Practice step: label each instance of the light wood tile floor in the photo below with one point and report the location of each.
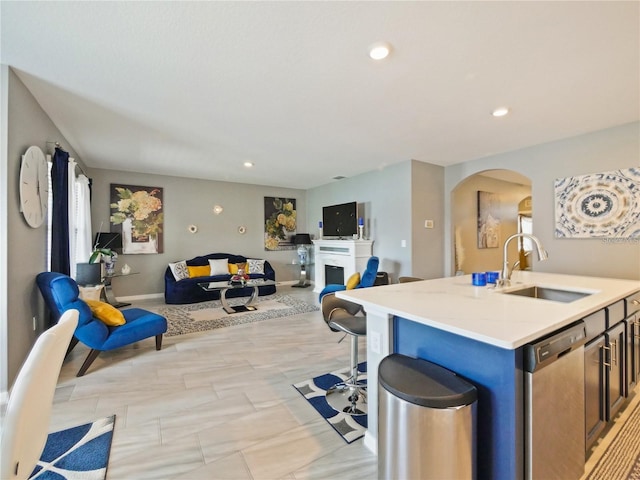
(220, 404)
(217, 404)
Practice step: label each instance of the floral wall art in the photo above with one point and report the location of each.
(279, 223)
(600, 205)
(137, 212)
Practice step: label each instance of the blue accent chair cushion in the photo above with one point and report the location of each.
(61, 293)
(367, 279)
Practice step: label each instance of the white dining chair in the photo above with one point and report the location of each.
(28, 414)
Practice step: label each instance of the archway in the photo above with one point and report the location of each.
(485, 211)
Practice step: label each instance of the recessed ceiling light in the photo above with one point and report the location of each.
(379, 50)
(248, 164)
(500, 112)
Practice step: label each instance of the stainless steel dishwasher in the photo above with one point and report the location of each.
(554, 405)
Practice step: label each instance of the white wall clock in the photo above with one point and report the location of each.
(34, 186)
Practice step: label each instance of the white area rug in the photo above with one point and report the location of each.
(198, 317)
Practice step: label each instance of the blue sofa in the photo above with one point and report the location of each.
(188, 291)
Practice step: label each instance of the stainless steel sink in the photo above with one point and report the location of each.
(546, 293)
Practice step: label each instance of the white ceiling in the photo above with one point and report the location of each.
(197, 88)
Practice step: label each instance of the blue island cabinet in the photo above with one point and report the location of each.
(498, 375)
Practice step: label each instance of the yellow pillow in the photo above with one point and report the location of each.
(203, 271)
(354, 281)
(233, 268)
(109, 314)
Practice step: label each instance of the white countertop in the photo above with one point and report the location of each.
(487, 315)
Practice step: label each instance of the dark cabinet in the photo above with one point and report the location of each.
(594, 391)
(633, 351)
(632, 312)
(604, 380)
(611, 363)
(615, 355)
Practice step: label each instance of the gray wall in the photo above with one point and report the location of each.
(427, 200)
(392, 205)
(27, 125)
(601, 151)
(190, 201)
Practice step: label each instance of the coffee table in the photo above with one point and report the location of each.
(224, 287)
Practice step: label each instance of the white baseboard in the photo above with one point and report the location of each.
(148, 296)
(294, 282)
(370, 442)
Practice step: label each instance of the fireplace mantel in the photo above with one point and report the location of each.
(351, 255)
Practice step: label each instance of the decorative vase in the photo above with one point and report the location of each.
(109, 267)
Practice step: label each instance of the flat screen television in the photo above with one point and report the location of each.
(340, 220)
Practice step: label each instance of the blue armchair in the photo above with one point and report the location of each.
(61, 293)
(367, 279)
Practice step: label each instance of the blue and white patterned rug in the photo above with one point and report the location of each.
(350, 428)
(78, 453)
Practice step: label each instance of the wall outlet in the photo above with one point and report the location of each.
(428, 224)
(403, 243)
(375, 342)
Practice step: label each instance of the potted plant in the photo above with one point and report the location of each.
(109, 257)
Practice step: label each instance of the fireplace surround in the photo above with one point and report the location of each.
(350, 255)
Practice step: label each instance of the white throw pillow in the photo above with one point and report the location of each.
(255, 266)
(219, 267)
(179, 270)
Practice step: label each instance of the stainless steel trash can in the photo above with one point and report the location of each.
(426, 421)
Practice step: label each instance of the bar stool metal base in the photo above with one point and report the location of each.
(348, 398)
(350, 395)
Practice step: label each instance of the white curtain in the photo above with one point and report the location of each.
(84, 246)
(71, 192)
(79, 219)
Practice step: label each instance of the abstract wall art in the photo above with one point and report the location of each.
(599, 205)
(488, 220)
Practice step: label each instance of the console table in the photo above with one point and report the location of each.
(302, 283)
(350, 255)
(107, 292)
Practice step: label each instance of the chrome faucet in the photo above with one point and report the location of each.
(517, 264)
(505, 279)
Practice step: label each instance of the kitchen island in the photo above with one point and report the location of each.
(479, 333)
